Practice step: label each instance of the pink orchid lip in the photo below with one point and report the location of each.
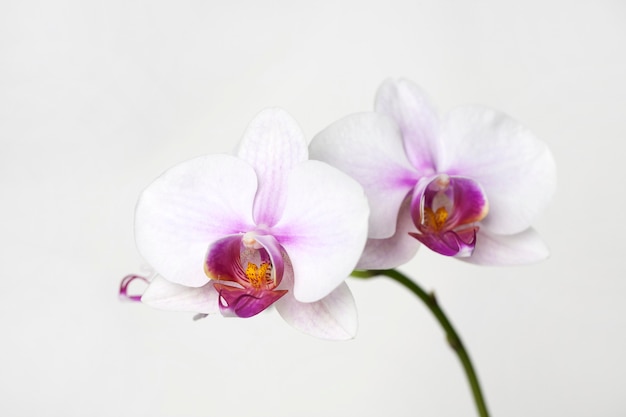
(246, 270)
(245, 302)
(445, 209)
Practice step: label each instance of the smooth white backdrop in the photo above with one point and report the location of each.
(98, 98)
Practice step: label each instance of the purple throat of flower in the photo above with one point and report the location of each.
(445, 210)
(246, 271)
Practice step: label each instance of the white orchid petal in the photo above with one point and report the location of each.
(368, 147)
(502, 250)
(333, 317)
(515, 168)
(169, 296)
(273, 144)
(394, 251)
(323, 228)
(411, 108)
(189, 207)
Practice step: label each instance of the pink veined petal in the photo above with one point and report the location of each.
(368, 147)
(394, 251)
(503, 250)
(170, 296)
(189, 207)
(273, 144)
(323, 228)
(411, 108)
(515, 169)
(334, 317)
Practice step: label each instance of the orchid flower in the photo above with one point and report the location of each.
(267, 227)
(466, 185)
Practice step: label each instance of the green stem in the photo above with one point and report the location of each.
(453, 338)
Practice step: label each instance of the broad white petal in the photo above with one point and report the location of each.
(189, 207)
(502, 250)
(333, 317)
(323, 228)
(515, 168)
(273, 144)
(394, 251)
(169, 296)
(368, 147)
(411, 108)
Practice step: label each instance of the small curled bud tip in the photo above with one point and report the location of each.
(124, 295)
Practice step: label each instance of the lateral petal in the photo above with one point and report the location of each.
(369, 148)
(323, 228)
(515, 168)
(188, 208)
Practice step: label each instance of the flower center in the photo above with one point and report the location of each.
(435, 219)
(260, 276)
(445, 210)
(246, 271)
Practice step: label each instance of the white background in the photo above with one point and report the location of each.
(98, 98)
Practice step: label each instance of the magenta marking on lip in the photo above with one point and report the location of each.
(124, 287)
